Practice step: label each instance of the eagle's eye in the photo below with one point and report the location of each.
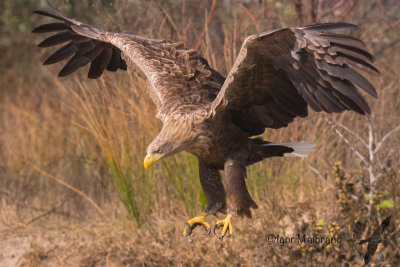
(158, 151)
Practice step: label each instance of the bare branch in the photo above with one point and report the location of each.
(373, 180)
(170, 20)
(319, 11)
(370, 142)
(299, 11)
(349, 131)
(348, 10)
(379, 33)
(335, 7)
(207, 22)
(183, 14)
(386, 137)
(313, 12)
(320, 176)
(363, 159)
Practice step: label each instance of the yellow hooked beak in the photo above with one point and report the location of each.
(150, 159)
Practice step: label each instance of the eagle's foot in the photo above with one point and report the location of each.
(194, 222)
(227, 227)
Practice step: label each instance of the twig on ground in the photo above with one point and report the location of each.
(79, 192)
(47, 212)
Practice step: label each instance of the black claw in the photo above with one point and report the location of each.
(208, 231)
(215, 227)
(188, 230)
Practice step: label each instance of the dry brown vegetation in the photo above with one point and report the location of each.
(73, 190)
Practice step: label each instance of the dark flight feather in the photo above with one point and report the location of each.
(342, 39)
(357, 62)
(335, 26)
(115, 60)
(349, 104)
(85, 47)
(347, 73)
(100, 63)
(122, 65)
(73, 64)
(346, 49)
(348, 89)
(79, 60)
(62, 53)
(51, 27)
(56, 39)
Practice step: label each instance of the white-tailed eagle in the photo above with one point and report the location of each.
(274, 79)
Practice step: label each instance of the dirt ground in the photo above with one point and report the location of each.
(53, 242)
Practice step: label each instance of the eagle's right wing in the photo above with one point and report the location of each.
(180, 80)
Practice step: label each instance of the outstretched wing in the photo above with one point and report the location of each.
(180, 81)
(85, 50)
(278, 74)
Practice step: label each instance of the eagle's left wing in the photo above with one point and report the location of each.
(83, 49)
(278, 74)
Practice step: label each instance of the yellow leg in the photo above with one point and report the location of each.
(226, 227)
(193, 223)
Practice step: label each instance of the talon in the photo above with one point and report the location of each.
(188, 230)
(208, 231)
(226, 225)
(215, 227)
(193, 223)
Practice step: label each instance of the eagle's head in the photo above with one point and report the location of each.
(172, 139)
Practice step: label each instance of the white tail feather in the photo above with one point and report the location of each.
(301, 149)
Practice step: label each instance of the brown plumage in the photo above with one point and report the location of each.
(275, 77)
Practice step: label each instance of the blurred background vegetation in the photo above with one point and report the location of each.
(71, 149)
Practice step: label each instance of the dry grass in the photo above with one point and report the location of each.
(93, 135)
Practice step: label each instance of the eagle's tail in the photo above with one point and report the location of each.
(300, 149)
(263, 149)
